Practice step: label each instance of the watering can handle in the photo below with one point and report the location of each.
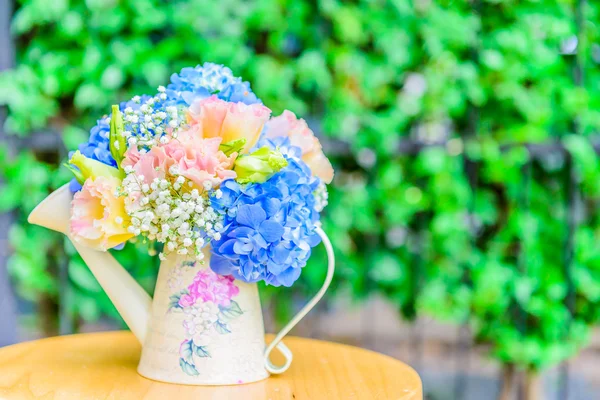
(287, 353)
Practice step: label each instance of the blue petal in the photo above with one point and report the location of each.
(74, 186)
(226, 248)
(276, 268)
(289, 276)
(271, 230)
(271, 206)
(280, 254)
(241, 231)
(240, 247)
(119, 246)
(250, 215)
(247, 270)
(221, 265)
(260, 241)
(314, 240)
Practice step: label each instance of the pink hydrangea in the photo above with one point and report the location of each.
(196, 158)
(210, 287)
(300, 135)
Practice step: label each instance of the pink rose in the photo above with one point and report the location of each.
(213, 117)
(195, 158)
(300, 135)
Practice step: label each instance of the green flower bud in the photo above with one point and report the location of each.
(118, 143)
(234, 146)
(259, 166)
(88, 168)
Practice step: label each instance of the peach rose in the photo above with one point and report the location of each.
(300, 135)
(213, 117)
(194, 157)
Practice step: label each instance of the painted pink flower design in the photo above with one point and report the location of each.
(208, 309)
(210, 287)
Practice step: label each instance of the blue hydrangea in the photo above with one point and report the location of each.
(97, 147)
(281, 143)
(205, 80)
(269, 228)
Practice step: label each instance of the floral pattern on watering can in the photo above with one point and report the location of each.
(208, 306)
(204, 327)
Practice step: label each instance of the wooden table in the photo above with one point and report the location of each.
(103, 366)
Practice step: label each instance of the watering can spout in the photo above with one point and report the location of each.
(130, 299)
(54, 211)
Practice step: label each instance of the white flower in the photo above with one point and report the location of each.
(160, 211)
(201, 339)
(199, 321)
(321, 197)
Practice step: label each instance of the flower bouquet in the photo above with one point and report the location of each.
(203, 162)
(229, 194)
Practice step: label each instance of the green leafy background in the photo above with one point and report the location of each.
(471, 227)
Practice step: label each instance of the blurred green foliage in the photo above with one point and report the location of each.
(490, 250)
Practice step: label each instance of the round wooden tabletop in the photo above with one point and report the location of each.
(103, 366)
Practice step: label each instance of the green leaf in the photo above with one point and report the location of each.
(81, 275)
(186, 351)
(76, 172)
(386, 270)
(174, 299)
(221, 327)
(89, 95)
(188, 368)
(234, 146)
(523, 290)
(200, 351)
(230, 312)
(88, 308)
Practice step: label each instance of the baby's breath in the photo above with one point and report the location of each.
(169, 212)
(321, 197)
(152, 123)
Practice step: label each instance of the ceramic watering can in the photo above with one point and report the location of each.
(200, 328)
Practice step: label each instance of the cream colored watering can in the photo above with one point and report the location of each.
(200, 328)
